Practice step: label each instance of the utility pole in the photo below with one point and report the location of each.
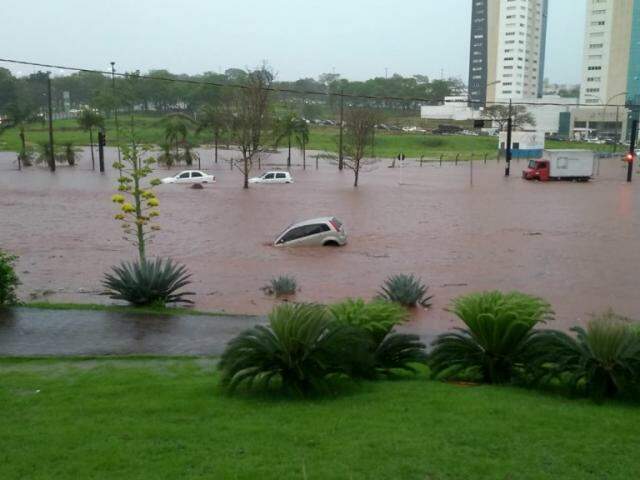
(115, 107)
(507, 169)
(52, 158)
(632, 149)
(340, 155)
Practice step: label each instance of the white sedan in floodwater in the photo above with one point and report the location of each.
(190, 176)
(273, 177)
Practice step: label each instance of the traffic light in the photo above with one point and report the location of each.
(102, 139)
(629, 157)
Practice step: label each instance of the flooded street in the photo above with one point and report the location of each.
(574, 244)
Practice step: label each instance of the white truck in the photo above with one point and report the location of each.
(561, 165)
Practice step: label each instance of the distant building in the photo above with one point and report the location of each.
(611, 68)
(507, 54)
(607, 47)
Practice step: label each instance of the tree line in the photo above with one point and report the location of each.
(27, 95)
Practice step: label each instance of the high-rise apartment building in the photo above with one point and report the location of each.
(608, 54)
(508, 41)
(633, 80)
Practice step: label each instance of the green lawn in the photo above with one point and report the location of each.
(166, 419)
(414, 145)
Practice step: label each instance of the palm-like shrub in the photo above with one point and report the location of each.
(148, 282)
(407, 290)
(8, 279)
(301, 348)
(498, 334)
(399, 351)
(377, 317)
(388, 351)
(282, 285)
(602, 360)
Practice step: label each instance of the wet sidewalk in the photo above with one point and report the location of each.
(28, 332)
(35, 332)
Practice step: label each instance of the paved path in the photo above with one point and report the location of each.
(33, 332)
(38, 332)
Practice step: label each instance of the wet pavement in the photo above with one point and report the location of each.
(574, 244)
(35, 332)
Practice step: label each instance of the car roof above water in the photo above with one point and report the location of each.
(311, 221)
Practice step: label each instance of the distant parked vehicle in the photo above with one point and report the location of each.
(190, 176)
(273, 177)
(561, 165)
(325, 231)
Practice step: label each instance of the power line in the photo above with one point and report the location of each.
(293, 91)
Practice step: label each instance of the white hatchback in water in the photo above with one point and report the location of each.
(190, 176)
(273, 177)
(325, 231)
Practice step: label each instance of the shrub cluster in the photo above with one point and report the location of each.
(304, 347)
(8, 279)
(500, 344)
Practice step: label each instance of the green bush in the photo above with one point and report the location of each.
(407, 290)
(388, 351)
(301, 348)
(377, 317)
(498, 336)
(602, 360)
(151, 282)
(8, 279)
(282, 285)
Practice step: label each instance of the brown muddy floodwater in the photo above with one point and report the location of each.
(571, 243)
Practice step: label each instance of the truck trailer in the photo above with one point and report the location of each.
(574, 165)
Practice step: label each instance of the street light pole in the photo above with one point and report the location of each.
(115, 107)
(507, 169)
(52, 158)
(340, 148)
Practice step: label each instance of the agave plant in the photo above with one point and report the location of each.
(602, 360)
(498, 335)
(407, 290)
(301, 347)
(148, 282)
(388, 351)
(282, 285)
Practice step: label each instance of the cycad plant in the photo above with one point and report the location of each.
(602, 360)
(407, 290)
(498, 335)
(300, 349)
(148, 282)
(388, 351)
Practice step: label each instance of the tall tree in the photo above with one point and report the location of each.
(290, 126)
(213, 117)
(88, 120)
(250, 117)
(176, 129)
(360, 123)
(500, 114)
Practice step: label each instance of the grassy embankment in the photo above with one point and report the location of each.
(414, 145)
(166, 419)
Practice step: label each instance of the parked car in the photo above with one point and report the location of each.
(325, 231)
(273, 177)
(190, 176)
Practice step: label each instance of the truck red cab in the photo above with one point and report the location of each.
(537, 170)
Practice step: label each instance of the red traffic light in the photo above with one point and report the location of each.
(630, 157)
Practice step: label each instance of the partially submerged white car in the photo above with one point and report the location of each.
(190, 176)
(324, 231)
(273, 177)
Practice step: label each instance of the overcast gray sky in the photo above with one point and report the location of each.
(299, 38)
